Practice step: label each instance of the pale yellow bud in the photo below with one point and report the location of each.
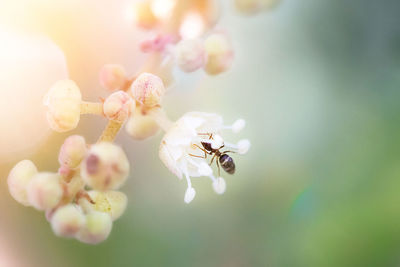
(67, 220)
(18, 180)
(140, 126)
(220, 53)
(97, 228)
(118, 106)
(64, 105)
(45, 190)
(72, 151)
(111, 202)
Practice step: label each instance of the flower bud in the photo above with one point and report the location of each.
(219, 185)
(67, 220)
(190, 55)
(64, 105)
(45, 190)
(112, 77)
(157, 44)
(96, 229)
(220, 53)
(118, 106)
(111, 202)
(105, 167)
(72, 151)
(140, 126)
(148, 89)
(18, 180)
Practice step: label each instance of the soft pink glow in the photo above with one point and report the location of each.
(29, 65)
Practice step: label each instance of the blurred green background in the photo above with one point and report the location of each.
(318, 84)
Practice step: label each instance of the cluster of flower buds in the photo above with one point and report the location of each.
(103, 167)
(73, 211)
(81, 200)
(214, 53)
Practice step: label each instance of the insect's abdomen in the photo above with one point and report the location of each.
(227, 163)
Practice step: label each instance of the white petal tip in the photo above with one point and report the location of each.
(205, 169)
(243, 146)
(189, 195)
(238, 125)
(219, 185)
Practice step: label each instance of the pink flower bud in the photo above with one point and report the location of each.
(190, 55)
(18, 180)
(220, 53)
(67, 220)
(72, 151)
(157, 44)
(64, 105)
(140, 126)
(148, 90)
(97, 228)
(112, 77)
(118, 106)
(45, 190)
(105, 167)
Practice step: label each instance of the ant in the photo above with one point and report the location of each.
(224, 159)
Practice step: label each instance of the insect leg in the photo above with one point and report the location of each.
(219, 169)
(203, 157)
(212, 159)
(228, 151)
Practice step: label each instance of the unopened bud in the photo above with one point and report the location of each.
(148, 90)
(96, 229)
(190, 55)
(64, 105)
(140, 126)
(112, 77)
(67, 220)
(220, 53)
(18, 180)
(118, 106)
(45, 190)
(72, 151)
(111, 202)
(105, 167)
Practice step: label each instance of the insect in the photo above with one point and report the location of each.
(222, 158)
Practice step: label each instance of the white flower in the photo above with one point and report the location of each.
(183, 153)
